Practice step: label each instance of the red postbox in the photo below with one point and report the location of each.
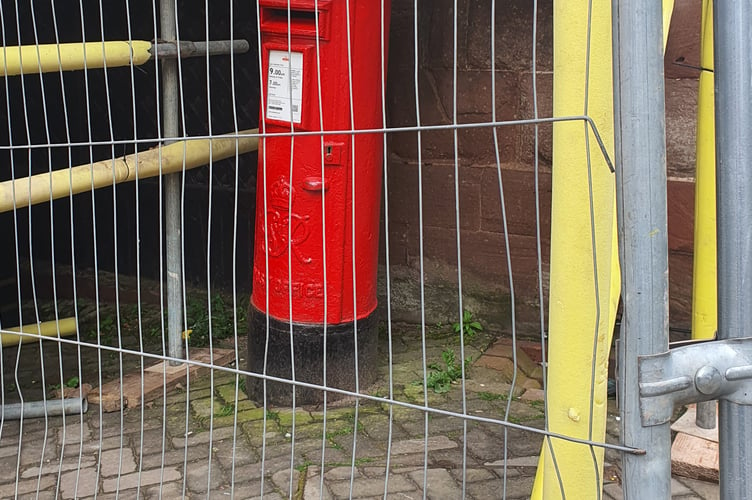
(318, 195)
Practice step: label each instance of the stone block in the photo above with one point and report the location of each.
(439, 483)
(79, 483)
(117, 462)
(142, 479)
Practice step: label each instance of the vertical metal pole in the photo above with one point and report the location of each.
(705, 416)
(733, 132)
(170, 128)
(643, 231)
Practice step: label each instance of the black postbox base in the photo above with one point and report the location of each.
(308, 349)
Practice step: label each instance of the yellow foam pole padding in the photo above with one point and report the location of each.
(34, 59)
(174, 158)
(572, 299)
(64, 326)
(704, 290)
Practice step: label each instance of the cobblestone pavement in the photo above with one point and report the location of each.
(206, 442)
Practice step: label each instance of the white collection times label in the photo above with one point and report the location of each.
(284, 89)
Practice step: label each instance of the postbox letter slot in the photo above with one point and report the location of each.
(299, 22)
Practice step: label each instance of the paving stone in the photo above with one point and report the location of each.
(203, 407)
(439, 483)
(377, 428)
(515, 488)
(402, 461)
(198, 480)
(152, 440)
(708, 491)
(253, 471)
(109, 423)
(173, 457)
(74, 433)
(613, 490)
(28, 488)
(273, 495)
(54, 466)
(679, 489)
(133, 493)
(200, 438)
(365, 487)
(447, 459)
(533, 395)
(436, 426)
(341, 473)
(286, 480)
(240, 454)
(419, 445)
(8, 450)
(164, 491)
(533, 383)
(366, 448)
(75, 484)
(9, 463)
(505, 367)
(116, 463)
(312, 489)
(145, 478)
(474, 475)
(377, 471)
(523, 443)
(483, 446)
(531, 461)
(34, 449)
(83, 449)
(246, 489)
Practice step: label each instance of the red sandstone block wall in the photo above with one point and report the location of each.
(480, 227)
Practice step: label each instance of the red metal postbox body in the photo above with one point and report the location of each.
(310, 268)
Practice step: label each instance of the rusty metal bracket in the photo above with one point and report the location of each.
(705, 371)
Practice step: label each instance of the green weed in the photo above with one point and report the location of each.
(220, 323)
(226, 410)
(441, 377)
(469, 326)
(490, 396)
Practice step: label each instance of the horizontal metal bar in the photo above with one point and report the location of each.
(185, 49)
(77, 56)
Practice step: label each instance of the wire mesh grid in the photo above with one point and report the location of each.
(140, 384)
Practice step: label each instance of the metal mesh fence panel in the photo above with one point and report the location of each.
(307, 249)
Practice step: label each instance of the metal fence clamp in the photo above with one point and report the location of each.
(703, 371)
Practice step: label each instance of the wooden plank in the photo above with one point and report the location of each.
(157, 379)
(694, 457)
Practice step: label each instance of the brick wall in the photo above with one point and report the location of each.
(483, 242)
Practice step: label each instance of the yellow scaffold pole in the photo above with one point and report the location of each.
(46, 58)
(176, 157)
(704, 291)
(31, 59)
(64, 327)
(574, 319)
(704, 287)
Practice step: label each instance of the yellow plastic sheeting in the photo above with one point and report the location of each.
(705, 291)
(65, 326)
(35, 59)
(177, 156)
(580, 319)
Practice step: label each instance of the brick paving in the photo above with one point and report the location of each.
(203, 443)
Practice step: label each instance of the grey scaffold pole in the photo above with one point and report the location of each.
(733, 132)
(173, 236)
(639, 111)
